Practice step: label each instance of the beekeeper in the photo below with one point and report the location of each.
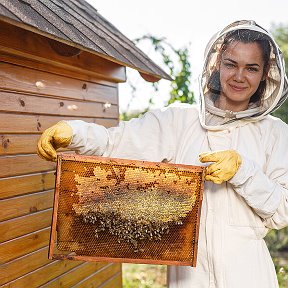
(244, 148)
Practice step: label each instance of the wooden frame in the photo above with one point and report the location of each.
(158, 225)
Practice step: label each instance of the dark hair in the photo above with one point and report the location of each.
(244, 36)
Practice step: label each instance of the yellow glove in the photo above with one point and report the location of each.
(57, 136)
(226, 164)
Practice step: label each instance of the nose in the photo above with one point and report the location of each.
(239, 75)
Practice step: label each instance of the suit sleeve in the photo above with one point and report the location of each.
(149, 137)
(267, 191)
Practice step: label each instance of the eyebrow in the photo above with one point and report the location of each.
(249, 65)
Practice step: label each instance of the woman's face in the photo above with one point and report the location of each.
(241, 70)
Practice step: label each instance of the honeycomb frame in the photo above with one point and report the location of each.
(129, 211)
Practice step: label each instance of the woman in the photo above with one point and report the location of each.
(246, 192)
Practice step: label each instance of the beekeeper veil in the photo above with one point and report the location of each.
(271, 92)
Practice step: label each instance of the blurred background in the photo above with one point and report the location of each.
(174, 35)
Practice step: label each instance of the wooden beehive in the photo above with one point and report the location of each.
(59, 60)
(36, 91)
(117, 210)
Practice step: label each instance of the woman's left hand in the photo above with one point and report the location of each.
(226, 164)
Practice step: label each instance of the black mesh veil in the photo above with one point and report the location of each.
(271, 92)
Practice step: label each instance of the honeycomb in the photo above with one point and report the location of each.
(126, 210)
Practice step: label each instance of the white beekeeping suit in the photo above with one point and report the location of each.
(237, 214)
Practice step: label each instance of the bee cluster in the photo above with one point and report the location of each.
(135, 204)
(129, 230)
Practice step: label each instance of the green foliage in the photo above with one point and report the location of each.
(277, 240)
(147, 276)
(144, 276)
(282, 275)
(126, 115)
(280, 32)
(180, 85)
(178, 65)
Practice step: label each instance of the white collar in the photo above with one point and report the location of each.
(210, 107)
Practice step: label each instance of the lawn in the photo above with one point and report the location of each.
(144, 276)
(147, 276)
(282, 274)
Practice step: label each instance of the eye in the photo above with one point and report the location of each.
(253, 69)
(229, 65)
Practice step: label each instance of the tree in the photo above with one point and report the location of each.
(280, 32)
(178, 65)
(278, 240)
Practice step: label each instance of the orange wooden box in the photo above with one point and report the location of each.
(117, 210)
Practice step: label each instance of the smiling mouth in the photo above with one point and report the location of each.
(237, 88)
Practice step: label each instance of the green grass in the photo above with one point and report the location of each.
(144, 276)
(282, 275)
(154, 276)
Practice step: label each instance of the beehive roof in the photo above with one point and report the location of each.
(77, 23)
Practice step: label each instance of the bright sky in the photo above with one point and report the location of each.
(183, 23)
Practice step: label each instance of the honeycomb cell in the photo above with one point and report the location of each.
(126, 210)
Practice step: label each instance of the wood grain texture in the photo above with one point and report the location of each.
(33, 46)
(42, 275)
(11, 144)
(24, 184)
(115, 281)
(28, 104)
(24, 225)
(25, 205)
(25, 123)
(24, 164)
(21, 246)
(73, 276)
(32, 81)
(23, 265)
(40, 66)
(100, 276)
(39, 88)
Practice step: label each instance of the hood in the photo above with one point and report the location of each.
(265, 102)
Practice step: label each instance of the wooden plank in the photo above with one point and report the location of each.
(32, 46)
(25, 205)
(24, 225)
(24, 164)
(20, 103)
(21, 246)
(100, 276)
(23, 265)
(11, 144)
(19, 185)
(17, 78)
(115, 282)
(40, 276)
(31, 63)
(73, 276)
(16, 123)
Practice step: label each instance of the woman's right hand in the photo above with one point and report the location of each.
(57, 136)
